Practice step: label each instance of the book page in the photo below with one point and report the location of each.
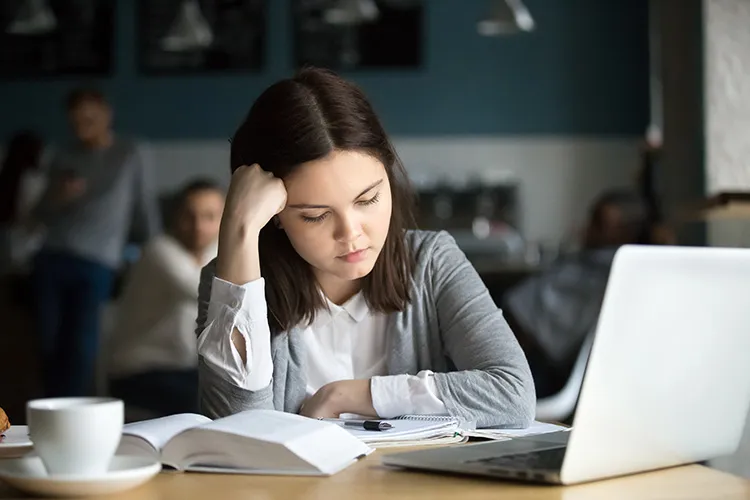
(534, 429)
(265, 425)
(264, 441)
(157, 432)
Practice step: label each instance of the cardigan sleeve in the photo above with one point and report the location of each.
(492, 386)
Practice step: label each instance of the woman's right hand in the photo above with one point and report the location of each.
(254, 197)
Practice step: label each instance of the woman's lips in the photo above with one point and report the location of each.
(354, 257)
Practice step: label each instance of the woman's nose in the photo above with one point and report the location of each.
(348, 229)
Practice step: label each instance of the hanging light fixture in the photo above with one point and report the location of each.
(190, 31)
(506, 17)
(351, 12)
(34, 17)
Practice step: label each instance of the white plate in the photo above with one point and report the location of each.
(15, 442)
(29, 475)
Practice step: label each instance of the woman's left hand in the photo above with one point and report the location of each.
(342, 396)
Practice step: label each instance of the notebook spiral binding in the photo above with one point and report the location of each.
(425, 418)
(463, 425)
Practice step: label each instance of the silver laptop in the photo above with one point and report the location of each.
(667, 383)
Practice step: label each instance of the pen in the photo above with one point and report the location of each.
(368, 425)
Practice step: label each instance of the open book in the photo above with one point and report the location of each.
(250, 442)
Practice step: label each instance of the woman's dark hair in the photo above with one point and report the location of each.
(302, 119)
(24, 152)
(633, 226)
(173, 203)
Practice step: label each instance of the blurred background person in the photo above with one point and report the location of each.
(21, 185)
(100, 191)
(22, 182)
(153, 360)
(552, 312)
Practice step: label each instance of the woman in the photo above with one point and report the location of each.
(320, 302)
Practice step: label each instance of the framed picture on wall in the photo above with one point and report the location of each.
(358, 34)
(179, 36)
(40, 38)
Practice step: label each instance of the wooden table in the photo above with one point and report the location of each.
(368, 479)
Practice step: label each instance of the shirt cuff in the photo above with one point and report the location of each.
(249, 298)
(396, 395)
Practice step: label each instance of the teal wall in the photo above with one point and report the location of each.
(584, 71)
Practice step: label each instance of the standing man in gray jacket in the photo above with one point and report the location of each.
(100, 192)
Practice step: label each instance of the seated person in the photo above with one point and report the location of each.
(153, 357)
(552, 313)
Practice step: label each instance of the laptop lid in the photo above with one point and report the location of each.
(668, 380)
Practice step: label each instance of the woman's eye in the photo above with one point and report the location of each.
(315, 219)
(371, 201)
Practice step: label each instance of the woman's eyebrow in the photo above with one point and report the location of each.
(307, 205)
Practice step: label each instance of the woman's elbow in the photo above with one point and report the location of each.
(212, 401)
(527, 405)
(520, 399)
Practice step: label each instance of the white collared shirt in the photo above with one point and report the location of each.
(343, 343)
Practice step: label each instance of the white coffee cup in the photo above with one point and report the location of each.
(75, 436)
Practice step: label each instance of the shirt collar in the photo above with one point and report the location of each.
(356, 308)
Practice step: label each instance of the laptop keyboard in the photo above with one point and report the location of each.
(551, 459)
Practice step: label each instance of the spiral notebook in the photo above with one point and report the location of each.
(421, 430)
(413, 430)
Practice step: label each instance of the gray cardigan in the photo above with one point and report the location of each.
(451, 327)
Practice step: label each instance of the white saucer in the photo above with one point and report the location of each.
(29, 475)
(15, 442)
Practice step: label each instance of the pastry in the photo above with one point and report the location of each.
(4, 422)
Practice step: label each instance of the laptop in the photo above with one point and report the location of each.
(667, 381)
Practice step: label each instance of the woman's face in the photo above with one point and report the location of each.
(337, 215)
